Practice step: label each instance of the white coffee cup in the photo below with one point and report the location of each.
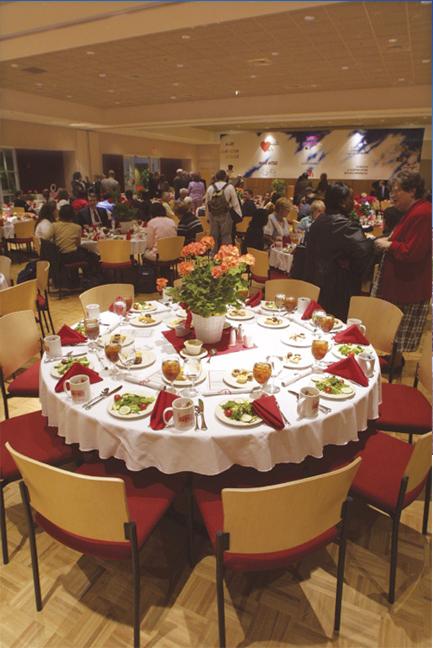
(358, 323)
(193, 347)
(302, 304)
(53, 346)
(93, 311)
(78, 387)
(183, 414)
(366, 361)
(308, 402)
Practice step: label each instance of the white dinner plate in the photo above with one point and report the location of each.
(231, 380)
(298, 339)
(240, 314)
(177, 321)
(349, 394)
(304, 362)
(283, 323)
(186, 355)
(148, 358)
(55, 373)
(146, 307)
(105, 339)
(135, 321)
(270, 306)
(132, 417)
(338, 325)
(187, 383)
(336, 349)
(219, 413)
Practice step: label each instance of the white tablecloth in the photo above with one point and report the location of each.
(214, 451)
(281, 260)
(138, 245)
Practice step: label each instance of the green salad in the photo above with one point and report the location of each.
(333, 385)
(239, 411)
(271, 304)
(350, 349)
(127, 403)
(80, 328)
(64, 365)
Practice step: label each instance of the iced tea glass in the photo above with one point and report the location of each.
(319, 349)
(171, 369)
(262, 371)
(112, 351)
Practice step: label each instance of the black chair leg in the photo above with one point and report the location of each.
(3, 529)
(4, 395)
(33, 549)
(50, 319)
(131, 535)
(426, 503)
(394, 556)
(341, 563)
(190, 525)
(221, 546)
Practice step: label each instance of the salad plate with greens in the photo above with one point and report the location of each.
(346, 350)
(131, 405)
(62, 366)
(332, 387)
(238, 412)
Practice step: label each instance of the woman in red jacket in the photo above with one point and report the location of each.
(405, 278)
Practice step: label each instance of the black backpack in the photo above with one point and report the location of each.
(218, 205)
(27, 273)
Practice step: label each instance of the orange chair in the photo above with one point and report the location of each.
(259, 273)
(23, 236)
(42, 301)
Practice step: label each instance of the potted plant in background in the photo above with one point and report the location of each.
(124, 215)
(210, 284)
(279, 186)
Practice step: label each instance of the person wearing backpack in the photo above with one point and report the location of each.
(222, 208)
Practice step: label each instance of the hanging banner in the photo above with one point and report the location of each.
(372, 154)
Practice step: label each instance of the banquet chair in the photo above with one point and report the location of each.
(115, 257)
(256, 529)
(205, 224)
(5, 269)
(98, 511)
(29, 433)
(19, 211)
(19, 343)
(391, 476)
(259, 273)
(405, 409)
(68, 271)
(37, 245)
(18, 298)
(42, 301)
(382, 320)
(241, 228)
(106, 294)
(168, 254)
(23, 236)
(293, 287)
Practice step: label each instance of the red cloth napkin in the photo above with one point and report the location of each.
(267, 408)
(348, 368)
(188, 319)
(312, 306)
(351, 335)
(255, 300)
(128, 303)
(77, 369)
(164, 400)
(221, 347)
(69, 337)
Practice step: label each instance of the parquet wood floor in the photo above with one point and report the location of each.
(88, 603)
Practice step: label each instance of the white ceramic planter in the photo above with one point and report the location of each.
(208, 329)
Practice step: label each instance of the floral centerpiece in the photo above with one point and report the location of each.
(363, 210)
(210, 284)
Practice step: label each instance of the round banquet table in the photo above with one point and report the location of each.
(222, 446)
(280, 259)
(7, 230)
(138, 245)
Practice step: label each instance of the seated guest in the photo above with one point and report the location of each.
(278, 226)
(304, 207)
(248, 205)
(317, 207)
(44, 225)
(20, 202)
(141, 206)
(62, 198)
(92, 214)
(79, 202)
(254, 236)
(166, 200)
(160, 226)
(107, 202)
(67, 238)
(189, 225)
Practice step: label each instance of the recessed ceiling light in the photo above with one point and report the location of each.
(176, 83)
(186, 36)
(117, 102)
(253, 76)
(313, 85)
(392, 40)
(173, 97)
(39, 85)
(102, 75)
(68, 96)
(275, 53)
(14, 65)
(90, 52)
(309, 18)
(237, 93)
(111, 91)
(401, 79)
(344, 67)
(179, 65)
(425, 61)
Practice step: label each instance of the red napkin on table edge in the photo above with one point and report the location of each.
(164, 400)
(188, 319)
(254, 300)
(221, 347)
(312, 306)
(128, 302)
(348, 368)
(267, 408)
(351, 335)
(77, 369)
(69, 337)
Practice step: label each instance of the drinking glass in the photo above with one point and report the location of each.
(319, 349)
(262, 371)
(290, 303)
(91, 327)
(326, 323)
(316, 318)
(119, 307)
(191, 370)
(112, 350)
(276, 363)
(171, 369)
(279, 300)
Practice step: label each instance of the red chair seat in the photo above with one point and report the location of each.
(115, 266)
(211, 509)
(21, 240)
(384, 460)
(259, 279)
(31, 435)
(149, 494)
(26, 383)
(404, 409)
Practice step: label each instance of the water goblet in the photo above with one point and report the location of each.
(276, 363)
(191, 370)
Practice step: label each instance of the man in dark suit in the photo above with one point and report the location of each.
(93, 215)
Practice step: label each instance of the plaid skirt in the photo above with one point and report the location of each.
(412, 325)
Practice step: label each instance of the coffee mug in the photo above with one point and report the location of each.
(366, 361)
(358, 323)
(93, 311)
(183, 414)
(78, 387)
(308, 402)
(302, 304)
(53, 346)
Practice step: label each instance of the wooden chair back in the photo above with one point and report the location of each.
(292, 287)
(261, 265)
(205, 224)
(42, 275)
(381, 319)
(114, 251)
(170, 248)
(19, 211)
(275, 518)
(106, 294)
(19, 340)
(18, 298)
(37, 245)
(424, 370)
(5, 267)
(24, 229)
(91, 507)
(242, 227)
(419, 462)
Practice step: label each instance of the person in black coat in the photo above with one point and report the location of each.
(249, 207)
(93, 215)
(338, 255)
(254, 237)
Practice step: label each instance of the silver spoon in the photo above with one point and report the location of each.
(212, 353)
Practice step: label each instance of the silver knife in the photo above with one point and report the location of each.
(110, 393)
(201, 410)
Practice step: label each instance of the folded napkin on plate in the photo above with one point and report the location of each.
(254, 300)
(145, 382)
(351, 335)
(225, 390)
(348, 368)
(77, 369)
(164, 400)
(312, 306)
(69, 337)
(295, 376)
(267, 408)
